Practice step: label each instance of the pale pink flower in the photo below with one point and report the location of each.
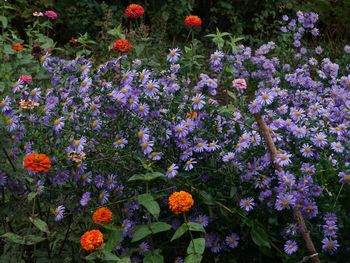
(37, 14)
(51, 14)
(239, 84)
(26, 78)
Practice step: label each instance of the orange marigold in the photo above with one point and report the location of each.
(134, 11)
(193, 21)
(91, 240)
(37, 162)
(180, 202)
(102, 215)
(122, 46)
(17, 47)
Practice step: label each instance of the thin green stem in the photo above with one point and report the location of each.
(336, 199)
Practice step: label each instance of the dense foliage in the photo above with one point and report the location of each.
(142, 158)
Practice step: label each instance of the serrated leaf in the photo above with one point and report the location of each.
(159, 227)
(259, 236)
(196, 227)
(40, 224)
(114, 237)
(147, 201)
(141, 232)
(180, 231)
(153, 257)
(193, 258)
(196, 246)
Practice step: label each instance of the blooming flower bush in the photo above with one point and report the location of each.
(128, 161)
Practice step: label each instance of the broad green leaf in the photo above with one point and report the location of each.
(196, 227)
(114, 237)
(180, 231)
(93, 256)
(159, 227)
(32, 195)
(40, 224)
(207, 198)
(4, 21)
(193, 258)
(109, 256)
(260, 236)
(153, 257)
(147, 177)
(26, 240)
(147, 201)
(141, 232)
(196, 246)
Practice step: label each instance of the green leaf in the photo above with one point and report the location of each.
(196, 246)
(147, 177)
(32, 195)
(260, 236)
(93, 256)
(109, 256)
(196, 227)
(180, 231)
(193, 258)
(26, 240)
(40, 224)
(147, 201)
(153, 257)
(207, 198)
(4, 21)
(113, 239)
(141, 232)
(159, 227)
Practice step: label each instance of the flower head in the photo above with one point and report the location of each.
(239, 84)
(122, 46)
(102, 215)
(91, 240)
(134, 11)
(37, 162)
(193, 21)
(17, 47)
(180, 202)
(52, 15)
(26, 78)
(290, 247)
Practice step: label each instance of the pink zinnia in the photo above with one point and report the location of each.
(26, 78)
(51, 14)
(239, 84)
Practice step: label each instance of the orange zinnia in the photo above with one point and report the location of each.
(193, 21)
(91, 240)
(102, 215)
(180, 202)
(134, 11)
(17, 47)
(122, 46)
(37, 162)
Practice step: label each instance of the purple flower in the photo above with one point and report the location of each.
(285, 201)
(85, 199)
(174, 55)
(319, 139)
(99, 181)
(189, 164)
(58, 212)
(232, 240)
(330, 245)
(344, 178)
(103, 197)
(198, 101)
(201, 219)
(172, 171)
(247, 204)
(290, 247)
(142, 248)
(283, 159)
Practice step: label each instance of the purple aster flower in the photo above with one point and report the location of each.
(283, 159)
(198, 101)
(86, 178)
(51, 102)
(330, 217)
(111, 181)
(330, 229)
(99, 181)
(232, 240)
(172, 171)
(337, 147)
(58, 212)
(179, 260)
(147, 147)
(307, 151)
(330, 245)
(142, 109)
(120, 142)
(3, 178)
(174, 55)
(319, 139)
(142, 248)
(203, 220)
(285, 201)
(78, 145)
(180, 130)
(347, 49)
(103, 197)
(85, 199)
(247, 204)
(344, 178)
(151, 88)
(200, 145)
(39, 187)
(290, 247)
(189, 164)
(58, 124)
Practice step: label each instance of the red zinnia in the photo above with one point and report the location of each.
(73, 41)
(122, 46)
(37, 162)
(17, 47)
(193, 21)
(134, 11)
